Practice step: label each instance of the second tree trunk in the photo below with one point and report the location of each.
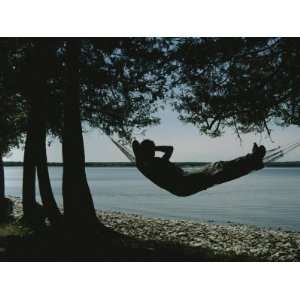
(78, 204)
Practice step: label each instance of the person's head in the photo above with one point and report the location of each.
(147, 149)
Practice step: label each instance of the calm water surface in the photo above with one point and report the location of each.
(268, 198)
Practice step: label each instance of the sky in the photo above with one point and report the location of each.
(189, 144)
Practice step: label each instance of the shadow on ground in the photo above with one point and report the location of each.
(21, 243)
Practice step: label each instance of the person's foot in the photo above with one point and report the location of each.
(258, 153)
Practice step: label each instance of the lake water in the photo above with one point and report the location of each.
(268, 198)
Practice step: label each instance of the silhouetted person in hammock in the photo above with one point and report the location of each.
(175, 180)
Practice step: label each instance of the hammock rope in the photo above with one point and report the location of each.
(281, 151)
(271, 154)
(124, 150)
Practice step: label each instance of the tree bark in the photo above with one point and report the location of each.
(78, 204)
(2, 179)
(35, 156)
(29, 169)
(47, 197)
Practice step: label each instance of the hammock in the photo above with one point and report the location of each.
(190, 184)
(271, 154)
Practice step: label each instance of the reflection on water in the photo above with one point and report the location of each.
(269, 197)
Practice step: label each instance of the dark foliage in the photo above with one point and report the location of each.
(243, 83)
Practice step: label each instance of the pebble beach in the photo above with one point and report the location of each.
(222, 240)
(228, 240)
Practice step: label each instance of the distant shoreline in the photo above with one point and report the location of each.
(130, 164)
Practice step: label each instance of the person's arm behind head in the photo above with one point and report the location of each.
(168, 150)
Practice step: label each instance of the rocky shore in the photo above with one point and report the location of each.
(228, 240)
(222, 240)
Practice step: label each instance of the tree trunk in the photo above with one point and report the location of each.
(78, 204)
(35, 156)
(48, 200)
(2, 179)
(29, 169)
